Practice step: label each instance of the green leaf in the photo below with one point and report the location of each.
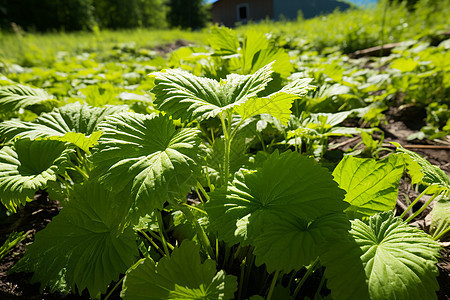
(147, 158)
(14, 97)
(277, 104)
(440, 218)
(290, 243)
(223, 40)
(80, 140)
(287, 185)
(28, 166)
(422, 172)
(258, 52)
(344, 270)
(372, 186)
(180, 276)
(63, 121)
(83, 242)
(399, 260)
(188, 97)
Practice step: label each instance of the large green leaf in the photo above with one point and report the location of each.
(372, 186)
(423, 172)
(399, 260)
(82, 246)
(147, 158)
(14, 97)
(28, 166)
(344, 270)
(187, 96)
(180, 276)
(257, 52)
(223, 40)
(287, 186)
(440, 218)
(288, 243)
(67, 119)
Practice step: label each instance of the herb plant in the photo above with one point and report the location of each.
(165, 199)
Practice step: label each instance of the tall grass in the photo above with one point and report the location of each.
(360, 28)
(30, 49)
(344, 31)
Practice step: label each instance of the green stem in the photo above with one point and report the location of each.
(322, 282)
(250, 260)
(114, 288)
(200, 231)
(441, 234)
(413, 203)
(152, 242)
(161, 232)
(272, 285)
(241, 279)
(200, 187)
(307, 274)
(217, 250)
(421, 209)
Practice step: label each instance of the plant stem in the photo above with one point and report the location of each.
(249, 261)
(322, 282)
(241, 279)
(272, 285)
(307, 274)
(152, 242)
(114, 288)
(200, 232)
(413, 203)
(200, 187)
(441, 234)
(161, 231)
(421, 209)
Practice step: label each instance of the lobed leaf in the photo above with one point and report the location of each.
(180, 276)
(189, 97)
(73, 123)
(29, 166)
(399, 260)
(440, 218)
(423, 172)
(223, 40)
(146, 158)
(287, 190)
(82, 247)
(372, 186)
(15, 97)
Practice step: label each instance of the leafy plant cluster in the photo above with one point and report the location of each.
(209, 178)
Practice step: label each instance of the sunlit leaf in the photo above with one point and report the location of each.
(66, 123)
(180, 276)
(372, 186)
(399, 260)
(287, 187)
(28, 166)
(440, 218)
(189, 97)
(147, 158)
(14, 97)
(423, 172)
(223, 40)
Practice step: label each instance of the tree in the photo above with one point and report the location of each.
(187, 14)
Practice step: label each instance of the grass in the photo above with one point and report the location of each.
(343, 31)
(31, 49)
